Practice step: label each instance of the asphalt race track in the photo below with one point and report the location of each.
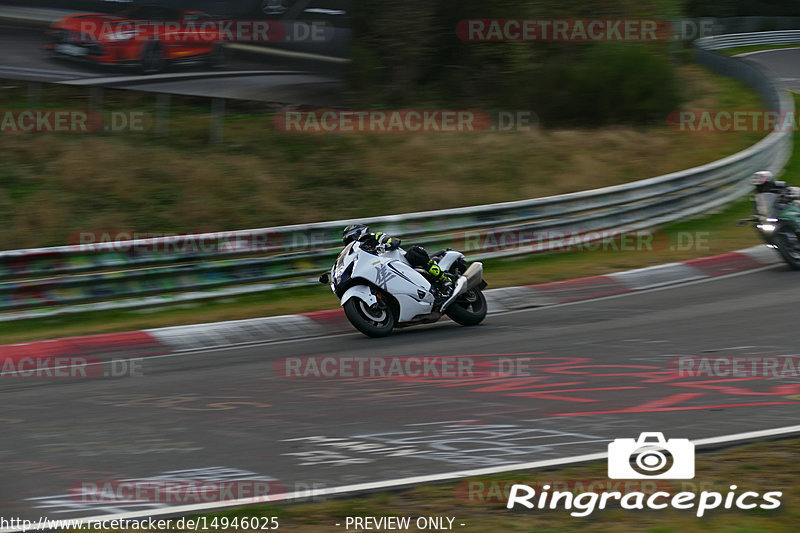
(246, 76)
(583, 374)
(588, 372)
(782, 64)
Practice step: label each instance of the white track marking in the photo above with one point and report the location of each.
(744, 54)
(181, 510)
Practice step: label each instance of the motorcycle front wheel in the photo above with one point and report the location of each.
(374, 321)
(788, 247)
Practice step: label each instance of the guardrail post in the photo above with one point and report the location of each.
(217, 129)
(163, 103)
(590, 216)
(34, 95)
(96, 99)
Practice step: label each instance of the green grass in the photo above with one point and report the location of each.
(137, 196)
(792, 171)
(53, 186)
(773, 467)
(745, 49)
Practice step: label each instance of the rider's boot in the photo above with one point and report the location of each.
(442, 283)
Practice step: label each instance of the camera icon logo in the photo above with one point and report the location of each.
(651, 457)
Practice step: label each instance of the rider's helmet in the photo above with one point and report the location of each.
(763, 180)
(353, 232)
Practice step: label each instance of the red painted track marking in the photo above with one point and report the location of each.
(689, 408)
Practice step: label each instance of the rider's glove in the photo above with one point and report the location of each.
(390, 243)
(368, 239)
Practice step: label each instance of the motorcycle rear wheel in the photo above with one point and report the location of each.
(469, 309)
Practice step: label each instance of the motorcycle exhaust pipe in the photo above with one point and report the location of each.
(474, 275)
(466, 282)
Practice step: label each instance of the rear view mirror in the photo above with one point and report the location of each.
(325, 278)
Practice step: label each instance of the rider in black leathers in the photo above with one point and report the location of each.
(416, 255)
(764, 181)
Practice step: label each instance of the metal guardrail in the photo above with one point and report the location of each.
(67, 279)
(735, 40)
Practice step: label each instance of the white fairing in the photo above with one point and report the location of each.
(359, 291)
(765, 203)
(450, 257)
(390, 272)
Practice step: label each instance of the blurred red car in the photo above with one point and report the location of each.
(148, 37)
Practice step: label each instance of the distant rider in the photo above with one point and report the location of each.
(416, 256)
(764, 181)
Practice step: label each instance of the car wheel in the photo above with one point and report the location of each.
(217, 58)
(274, 8)
(152, 59)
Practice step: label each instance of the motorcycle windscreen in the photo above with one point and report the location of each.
(765, 203)
(344, 253)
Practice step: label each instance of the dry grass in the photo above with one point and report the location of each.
(53, 185)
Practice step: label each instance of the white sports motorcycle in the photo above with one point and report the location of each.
(380, 290)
